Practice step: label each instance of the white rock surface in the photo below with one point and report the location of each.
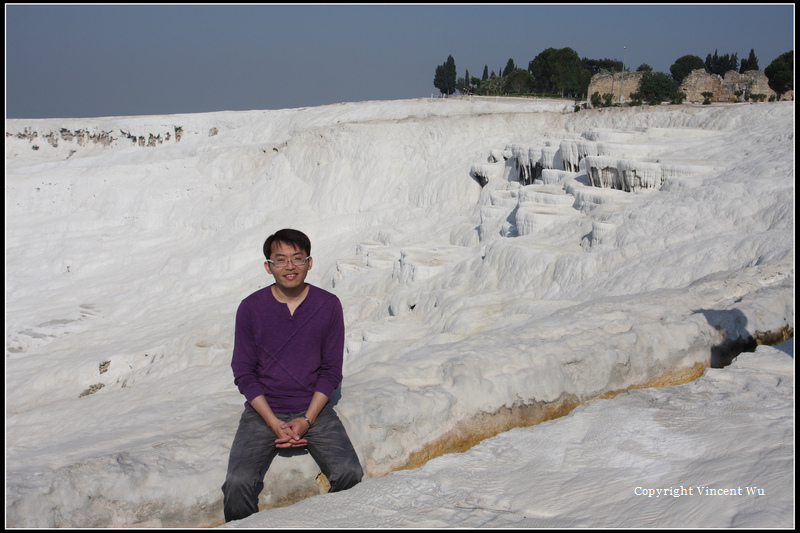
(127, 257)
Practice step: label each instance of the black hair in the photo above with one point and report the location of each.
(292, 237)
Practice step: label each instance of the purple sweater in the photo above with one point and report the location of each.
(288, 357)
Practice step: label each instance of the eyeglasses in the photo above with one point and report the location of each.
(284, 262)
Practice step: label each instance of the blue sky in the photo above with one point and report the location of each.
(95, 60)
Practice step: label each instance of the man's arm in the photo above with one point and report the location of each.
(244, 362)
(329, 375)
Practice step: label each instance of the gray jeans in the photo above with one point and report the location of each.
(254, 449)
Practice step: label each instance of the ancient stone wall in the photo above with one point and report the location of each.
(609, 83)
(725, 88)
(752, 81)
(697, 82)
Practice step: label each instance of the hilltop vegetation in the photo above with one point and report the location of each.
(562, 73)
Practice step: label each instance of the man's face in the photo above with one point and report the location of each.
(291, 276)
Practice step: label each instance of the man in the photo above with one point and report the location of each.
(287, 361)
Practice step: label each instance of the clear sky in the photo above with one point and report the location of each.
(111, 60)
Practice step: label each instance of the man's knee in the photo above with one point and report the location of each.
(345, 475)
(240, 496)
(242, 485)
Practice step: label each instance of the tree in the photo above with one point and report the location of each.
(540, 68)
(559, 71)
(644, 67)
(519, 81)
(445, 78)
(721, 64)
(677, 97)
(450, 70)
(780, 73)
(567, 74)
(655, 87)
(751, 63)
(467, 82)
(485, 73)
(684, 65)
(597, 65)
(509, 67)
(490, 87)
(439, 80)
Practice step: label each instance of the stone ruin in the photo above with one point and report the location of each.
(607, 82)
(724, 88)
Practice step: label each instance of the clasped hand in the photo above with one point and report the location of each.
(290, 434)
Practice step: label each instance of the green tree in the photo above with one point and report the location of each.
(540, 69)
(490, 87)
(445, 78)
(644, 67)
(568, 76)
(439, 79)
(519, 81)
(780, 73)
(655, 87)
(718, 64)
(684, 65)
(450, 69)
(485, 72)
(677, 97)
(509, 67)
(558, 70)
(751, 63)
(597, 65)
